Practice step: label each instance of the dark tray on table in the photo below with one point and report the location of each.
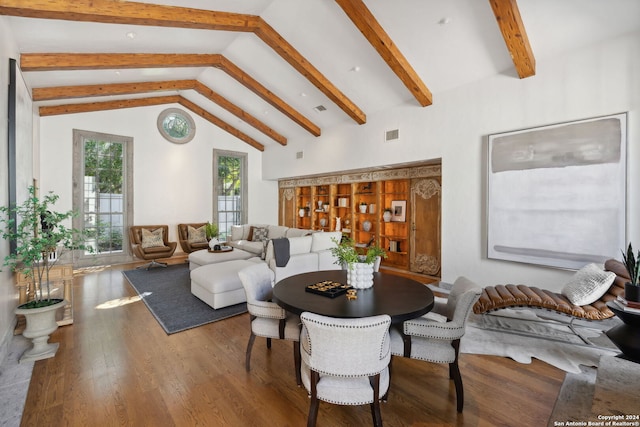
(328, 288)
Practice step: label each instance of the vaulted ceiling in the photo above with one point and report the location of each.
(269, 71)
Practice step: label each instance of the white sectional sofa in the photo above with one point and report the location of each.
(214, 277)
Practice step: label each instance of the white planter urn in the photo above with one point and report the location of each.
(363, 208)
(360, 275)
(386, 216)
(301, 212)
(41, 322)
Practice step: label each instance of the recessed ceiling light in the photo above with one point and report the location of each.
(117, 73)
(303, 94)
(131, 35)
(355, 69)
(444, 21)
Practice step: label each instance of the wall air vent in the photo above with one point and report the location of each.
(319, 108)
(392, 135)
(299, 154)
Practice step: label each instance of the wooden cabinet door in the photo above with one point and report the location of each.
(288, 210)
(425, 225)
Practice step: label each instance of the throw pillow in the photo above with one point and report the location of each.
(259, 234)
(196, 235)
(588, 284)
(152, 239)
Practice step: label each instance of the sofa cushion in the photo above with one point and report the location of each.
(236, 232)
(152, 239)
(325, 240)
(299, 245)
(253, 247)
(277, 231)
(588, 284)
(297, 232)
(196, 235)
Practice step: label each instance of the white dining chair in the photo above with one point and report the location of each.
(435, 337)
(345, 361)
(267, 319)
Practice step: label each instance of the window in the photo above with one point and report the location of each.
(102, 185)
(229, 190)
(176, 125)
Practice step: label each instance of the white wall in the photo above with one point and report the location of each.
(172, 182)
(8, 292)
(598, 80)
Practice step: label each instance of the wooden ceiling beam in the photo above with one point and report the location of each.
(90, 61)
(371, 29)
(220, 123)
(253, 85)
(515, 36)
(88, 107)
(68, 92)
(109, 61)
(132, 13)
(271, 37)
(144, 102)
(238, 112)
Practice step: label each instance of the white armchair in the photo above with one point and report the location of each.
(345, 361)
(267, 319)
(435, 337)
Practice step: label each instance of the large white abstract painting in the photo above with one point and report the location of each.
(557, 193)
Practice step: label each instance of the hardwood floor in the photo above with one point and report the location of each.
(116, 366)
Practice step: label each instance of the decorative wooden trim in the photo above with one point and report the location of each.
(424, 171)
(515, 36)
(101, 61)
(133, 13)
(362, 17)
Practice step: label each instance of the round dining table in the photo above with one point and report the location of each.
(399, 297)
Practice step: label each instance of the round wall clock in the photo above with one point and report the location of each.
(176, 125)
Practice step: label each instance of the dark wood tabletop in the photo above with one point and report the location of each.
(399, 297)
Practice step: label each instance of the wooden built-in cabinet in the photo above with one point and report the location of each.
(412, 243)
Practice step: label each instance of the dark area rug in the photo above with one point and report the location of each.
(167, 294)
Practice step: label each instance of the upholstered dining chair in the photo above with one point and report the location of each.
(345, 361)
(435, 337)
(267, 319)
(151, 242)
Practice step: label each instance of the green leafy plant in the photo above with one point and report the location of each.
(632, 263)
(346, 253)
(388, 210)
(211, 230)
(38, 232)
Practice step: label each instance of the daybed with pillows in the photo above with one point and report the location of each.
(584, 296)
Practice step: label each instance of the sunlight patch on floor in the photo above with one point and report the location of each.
(121, 301)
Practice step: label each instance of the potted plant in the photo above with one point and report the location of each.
(387, 214)
(40, 235)
(360, 267)
(211, 231)
(363, 207)
(632, 263)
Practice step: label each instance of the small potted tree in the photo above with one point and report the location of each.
(360, 267)
(40, 236)
(632, 263)
(211, 230)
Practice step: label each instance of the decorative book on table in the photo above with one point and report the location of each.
(628, 306)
